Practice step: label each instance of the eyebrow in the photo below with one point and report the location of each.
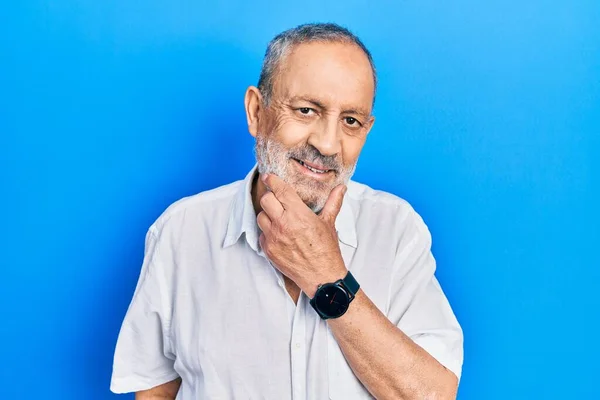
(317, 103)
(309, 100)
(356, 111)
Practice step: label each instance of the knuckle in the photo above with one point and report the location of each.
(263, 201)
(274, 240)
(283, 191)
(262, 218)
(282, 226)
(268, 249)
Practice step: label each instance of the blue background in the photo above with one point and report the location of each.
(488, 122)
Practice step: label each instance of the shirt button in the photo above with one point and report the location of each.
(297, 345)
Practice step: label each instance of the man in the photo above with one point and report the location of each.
(295, 283)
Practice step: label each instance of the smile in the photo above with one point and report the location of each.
(311, 169)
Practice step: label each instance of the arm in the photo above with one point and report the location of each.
(166, 391)
(413, 349)
(144, 356)
(384, 351)
(387, 362)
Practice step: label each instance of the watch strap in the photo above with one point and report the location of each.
(351, 283)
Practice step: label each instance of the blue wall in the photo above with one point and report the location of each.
(488, 122)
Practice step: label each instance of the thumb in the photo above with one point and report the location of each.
(334, 204)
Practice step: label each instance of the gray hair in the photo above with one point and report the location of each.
(283, 43)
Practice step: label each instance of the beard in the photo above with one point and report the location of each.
(274, 158)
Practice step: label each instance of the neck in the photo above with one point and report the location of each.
(258, 191)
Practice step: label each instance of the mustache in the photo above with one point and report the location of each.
(312, 155)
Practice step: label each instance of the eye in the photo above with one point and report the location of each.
(352, 121)
(305, 110)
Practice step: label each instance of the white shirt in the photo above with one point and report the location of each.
(210, 308)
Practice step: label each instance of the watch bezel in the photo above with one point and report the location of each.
(339, 285)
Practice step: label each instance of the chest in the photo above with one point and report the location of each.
(241, 335)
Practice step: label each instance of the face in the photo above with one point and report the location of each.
(312, 131)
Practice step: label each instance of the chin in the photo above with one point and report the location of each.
(315, 203)
(312, 192)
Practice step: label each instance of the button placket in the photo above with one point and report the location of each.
(298, 351)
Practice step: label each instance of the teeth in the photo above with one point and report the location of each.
(318, 171)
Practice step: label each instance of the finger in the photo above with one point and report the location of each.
(264, 222)
(282, 191)
(262, 241)
(334, 204)
(272, 206)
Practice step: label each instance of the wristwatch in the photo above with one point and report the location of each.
(331, 300)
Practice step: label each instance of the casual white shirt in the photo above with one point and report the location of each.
(210, 308)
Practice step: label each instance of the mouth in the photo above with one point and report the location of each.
(314, 170)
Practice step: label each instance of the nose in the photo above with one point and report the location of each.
(326, 137)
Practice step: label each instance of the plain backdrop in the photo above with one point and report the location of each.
(488, 123)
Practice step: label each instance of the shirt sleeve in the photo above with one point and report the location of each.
(418, 305)
(143, 356)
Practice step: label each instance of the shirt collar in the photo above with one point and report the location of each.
(243, 217)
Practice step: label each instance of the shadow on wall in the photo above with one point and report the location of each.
(213, 148)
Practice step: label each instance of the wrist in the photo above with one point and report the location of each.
(332, 299)
(311, 286)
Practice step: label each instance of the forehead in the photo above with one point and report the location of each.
(338, 74)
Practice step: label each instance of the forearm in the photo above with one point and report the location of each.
(387, 362)
(166, 391)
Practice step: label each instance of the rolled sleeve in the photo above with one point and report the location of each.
(418, 305)
(143, 356)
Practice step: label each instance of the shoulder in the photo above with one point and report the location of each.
(387, 210)
(368, 198)
(213, 203)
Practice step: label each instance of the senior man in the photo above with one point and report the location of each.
(296, 282)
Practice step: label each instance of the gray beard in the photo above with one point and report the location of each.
(273, 158)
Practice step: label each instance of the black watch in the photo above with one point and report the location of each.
(331, 300)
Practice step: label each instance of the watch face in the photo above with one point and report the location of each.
(332, 300)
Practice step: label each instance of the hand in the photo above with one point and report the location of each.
(302, 245)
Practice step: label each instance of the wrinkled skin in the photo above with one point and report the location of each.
(319, 112)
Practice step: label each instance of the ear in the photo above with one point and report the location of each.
(253, 104)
